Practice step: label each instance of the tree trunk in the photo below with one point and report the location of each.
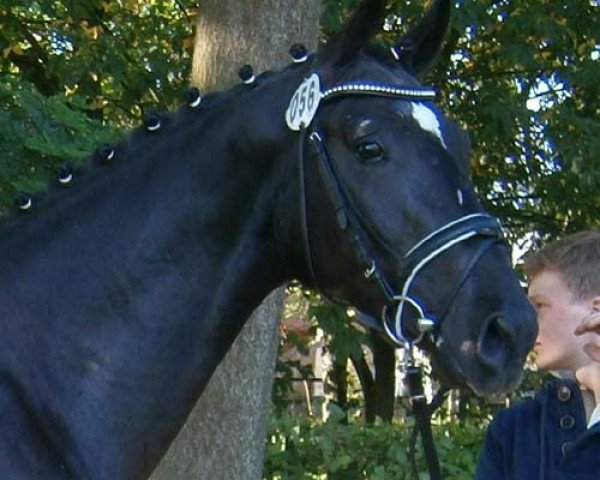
(232, 33)
(224, 436)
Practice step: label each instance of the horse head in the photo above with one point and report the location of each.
(402, 235)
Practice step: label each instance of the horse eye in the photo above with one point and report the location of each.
(370, 152)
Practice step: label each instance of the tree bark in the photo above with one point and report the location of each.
(224, 436)
(232, 33)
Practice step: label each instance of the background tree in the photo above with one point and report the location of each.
(226, 431)
(228, 425)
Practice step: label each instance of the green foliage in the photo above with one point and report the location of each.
(66, 66)
(519, 77)
(120, 57)
(345, 339)
(39, 133)
(305, 448)
(523, 73)
(298, 448)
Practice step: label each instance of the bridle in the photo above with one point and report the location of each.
(476, 225)
(356, 229)
(299, 116)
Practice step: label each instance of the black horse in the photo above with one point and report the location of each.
(120, 294)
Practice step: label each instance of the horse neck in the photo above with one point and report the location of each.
(130, 290)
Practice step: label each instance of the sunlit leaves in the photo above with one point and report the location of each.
(521, 79)
(91, 60)
(121, 56)
(38, 133)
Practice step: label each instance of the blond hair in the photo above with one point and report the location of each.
(576, 258)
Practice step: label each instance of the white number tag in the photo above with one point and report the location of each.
(304, 103)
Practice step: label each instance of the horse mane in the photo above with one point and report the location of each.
(173, 123)
(93, 168)
(362, 26)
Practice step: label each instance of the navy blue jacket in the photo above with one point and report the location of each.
(544, 438)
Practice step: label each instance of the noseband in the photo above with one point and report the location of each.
(307, 98)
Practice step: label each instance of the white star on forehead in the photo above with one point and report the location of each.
(427, 120)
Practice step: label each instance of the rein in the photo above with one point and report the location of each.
(299, 116)
(422, 411)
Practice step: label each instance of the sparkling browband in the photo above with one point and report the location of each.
(416, 93)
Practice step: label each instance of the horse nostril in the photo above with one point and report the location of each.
(496, 343)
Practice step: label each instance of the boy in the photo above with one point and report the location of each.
(548, 437)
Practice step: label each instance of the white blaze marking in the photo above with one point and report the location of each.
(427, 120)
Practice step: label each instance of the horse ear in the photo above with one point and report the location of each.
(417, 50)
(365, 22)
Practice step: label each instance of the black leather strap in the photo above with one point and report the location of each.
(484, 225)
